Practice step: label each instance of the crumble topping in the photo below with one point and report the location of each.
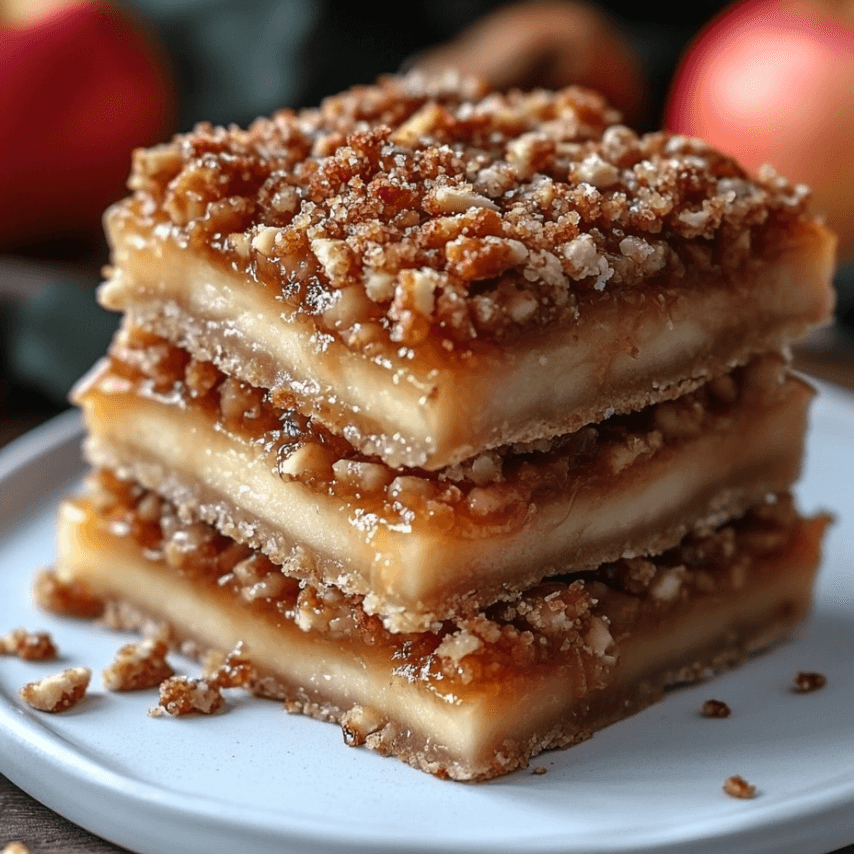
(30, 646)
(59, 692)
(805, 682)
(138, 665)
(490, 493)
(431, 208)
(738, 787)
(233, 670)
(181, 695)
(715, 709)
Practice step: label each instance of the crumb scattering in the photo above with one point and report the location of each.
(137, 666)
(58, 692)
(806, 682)
(180, 695)
(737, 787)
(31, 646)
(715, 709)
(539, 771)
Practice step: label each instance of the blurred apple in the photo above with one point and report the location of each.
(82, 86)
(771, 81)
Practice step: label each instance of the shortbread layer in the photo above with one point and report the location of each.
(423, 546)
(435, 269)
(478, 698)
(430, 408)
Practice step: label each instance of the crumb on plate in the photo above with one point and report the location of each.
(738, 787)
(58, 692)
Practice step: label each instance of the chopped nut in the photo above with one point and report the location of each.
(136, 666)
(456, 200)
(458, 645)
(233, 671)
(806, 682)
(58, 692)
(358, 723)
(15, 848)
(265, 240)
(715, 709)
(69, 598)
(419, 124)
(738, 787)
(180, 695)
(31, 646)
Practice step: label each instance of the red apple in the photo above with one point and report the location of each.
(82, 87)
(771, 81)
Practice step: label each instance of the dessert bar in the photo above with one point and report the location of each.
(480, 696)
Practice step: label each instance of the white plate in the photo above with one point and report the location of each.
(256, 779)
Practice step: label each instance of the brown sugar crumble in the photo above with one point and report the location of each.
(738, 787)
(30, 646)
(58, 692)
(420, 208)
(806, 682)
(231, 671)
(715, 709)
(137, 666)
(181, 695)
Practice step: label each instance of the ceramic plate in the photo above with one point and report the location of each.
(256, 779)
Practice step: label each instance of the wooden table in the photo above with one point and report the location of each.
(828, 356)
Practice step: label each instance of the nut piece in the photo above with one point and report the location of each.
(58, 692)
(805, 682)
(235, 670)
(31, 646)
(715, 709)
(358, 723)
(180, 695)
(15, 848)
(138, 665)
(738, 787)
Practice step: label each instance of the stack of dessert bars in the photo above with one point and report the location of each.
(466, 414)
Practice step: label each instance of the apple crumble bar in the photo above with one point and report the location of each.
(480, 694)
